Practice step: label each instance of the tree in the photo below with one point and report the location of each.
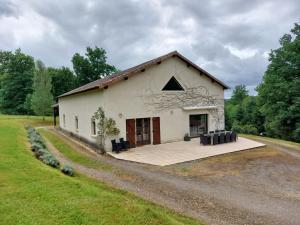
(242, 112)
(42, 98)
(239, 93)
(279, 93)
(91, 67)
(63, 80)
(106, 127)
(16, 75)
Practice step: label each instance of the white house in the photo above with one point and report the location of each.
(155, 102)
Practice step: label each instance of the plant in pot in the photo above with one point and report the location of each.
(186, 137)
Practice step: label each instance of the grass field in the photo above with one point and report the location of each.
(33, 193)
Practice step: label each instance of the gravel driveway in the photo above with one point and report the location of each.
(259, 186)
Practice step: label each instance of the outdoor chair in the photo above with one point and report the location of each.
(211, 132)
(124, 144)
(201, 138)
(217, 131)
(227, 137)
(233, 136)
(116, 147)
(205, 139)
(221, 138)
(216, 139)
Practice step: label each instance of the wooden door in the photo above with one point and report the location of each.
(142, 131)
(156, 130)
(130, 132)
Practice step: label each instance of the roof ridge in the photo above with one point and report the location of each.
(105, 81)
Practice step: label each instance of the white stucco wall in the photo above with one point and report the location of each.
(127, 99)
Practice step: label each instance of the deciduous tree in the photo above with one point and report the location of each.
(42, 98)
(63, 80)
(92, 66)
(279, 92)
(16, 75)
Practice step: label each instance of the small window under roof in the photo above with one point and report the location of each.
(173, 85)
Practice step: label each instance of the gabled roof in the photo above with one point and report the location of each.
(104, 82)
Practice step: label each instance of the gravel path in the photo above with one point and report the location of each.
(266, 190)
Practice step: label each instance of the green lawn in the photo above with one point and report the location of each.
(70, 153)
(33, 193)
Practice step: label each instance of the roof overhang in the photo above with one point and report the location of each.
(105, 82)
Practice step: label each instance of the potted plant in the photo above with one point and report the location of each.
(186, 137)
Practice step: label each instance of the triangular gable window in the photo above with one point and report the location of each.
(173, 85)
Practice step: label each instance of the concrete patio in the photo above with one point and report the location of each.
(178, 152)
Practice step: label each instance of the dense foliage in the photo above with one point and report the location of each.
(91, 67)
(29, 89)
(16, 77)
(280, 91)
(242, 112)
(63, 80)
(276, 109)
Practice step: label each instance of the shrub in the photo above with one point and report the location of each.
(68, 170)
(39, 148)
(50, 160)
(30, 131)
(36, 138)
(245, 129)
(40, 152)
(36, 146)
(250, 129)
(236, 127)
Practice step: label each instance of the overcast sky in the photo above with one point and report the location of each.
(229, 38)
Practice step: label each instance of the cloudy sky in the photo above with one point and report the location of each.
(229, 38)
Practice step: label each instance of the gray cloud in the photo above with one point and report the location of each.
(228, 38)
(7, 8)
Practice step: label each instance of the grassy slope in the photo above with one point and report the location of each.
(290, 144)
(33, 193)
(70, 153)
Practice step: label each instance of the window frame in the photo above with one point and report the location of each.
(76, 123)
(93, 127)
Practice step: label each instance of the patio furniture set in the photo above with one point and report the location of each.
(122, 145)
(218, 137)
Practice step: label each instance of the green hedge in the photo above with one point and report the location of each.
(39, 148)
(42, 153)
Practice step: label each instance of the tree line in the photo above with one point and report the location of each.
(275, 111)
(27, 86)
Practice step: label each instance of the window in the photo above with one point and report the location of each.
(64, 120)
(93, 126)
(76, 122)
(173, 85)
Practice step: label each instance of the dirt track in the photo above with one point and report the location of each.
(252, 187)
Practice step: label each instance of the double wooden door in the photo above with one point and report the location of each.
(138, 131)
